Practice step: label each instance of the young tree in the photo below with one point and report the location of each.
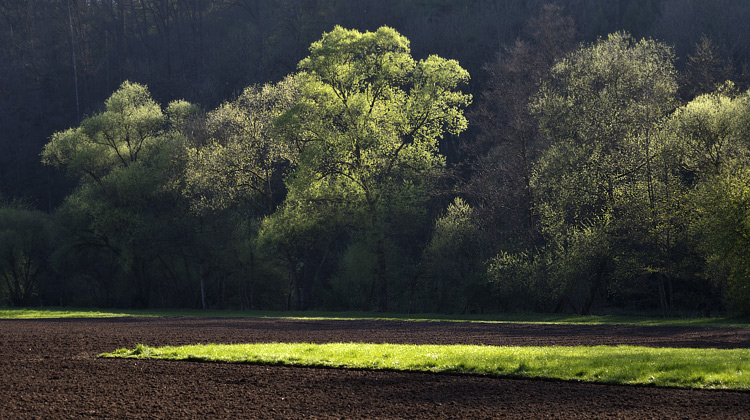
(372, 116)
(705, 70)
(453, 259)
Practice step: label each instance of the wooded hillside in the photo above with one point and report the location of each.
(426, 156)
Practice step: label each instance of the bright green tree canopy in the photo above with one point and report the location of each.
(130, 128)
(371, 114)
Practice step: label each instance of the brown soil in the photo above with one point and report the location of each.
(49, 370)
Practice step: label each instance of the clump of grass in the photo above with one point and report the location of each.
(672, 367)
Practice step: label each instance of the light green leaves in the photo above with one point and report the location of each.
(350, 61)
(242, 148)
(711, 130)
(709, 138)
(131, 126)
(597, 190)
(373, 113)
(599, 109)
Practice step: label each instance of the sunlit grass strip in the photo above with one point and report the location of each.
(560, 319)
(673, 367)
(58, 313)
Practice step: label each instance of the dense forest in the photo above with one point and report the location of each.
(424, 156)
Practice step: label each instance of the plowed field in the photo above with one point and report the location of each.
(49, 370)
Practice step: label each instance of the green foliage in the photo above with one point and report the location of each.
(520, 281)
(372, 115)
(232, 163)
(123, 210)
(300, 236)
(710, 132)
(130, 127)
(370, 118)
(26, 243)
(238, 153)
(709, 136)
(322, 189)
(724, 206)
(354, 285)
(596, 187)
(556, 277)
(626, 365)
(180, 113)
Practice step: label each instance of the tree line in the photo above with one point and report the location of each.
(581, 176)
(60, 59)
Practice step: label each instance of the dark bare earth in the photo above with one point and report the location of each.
(49, 370)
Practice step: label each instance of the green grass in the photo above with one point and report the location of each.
(668, 367)
(35, 313)
(58, 313)
(690, 368)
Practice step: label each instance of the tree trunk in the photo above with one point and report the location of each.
(222, 290)
(292, 275)
(663, 298)
(310, 281)
(595, 286)
(382, 276)
(202, 275)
